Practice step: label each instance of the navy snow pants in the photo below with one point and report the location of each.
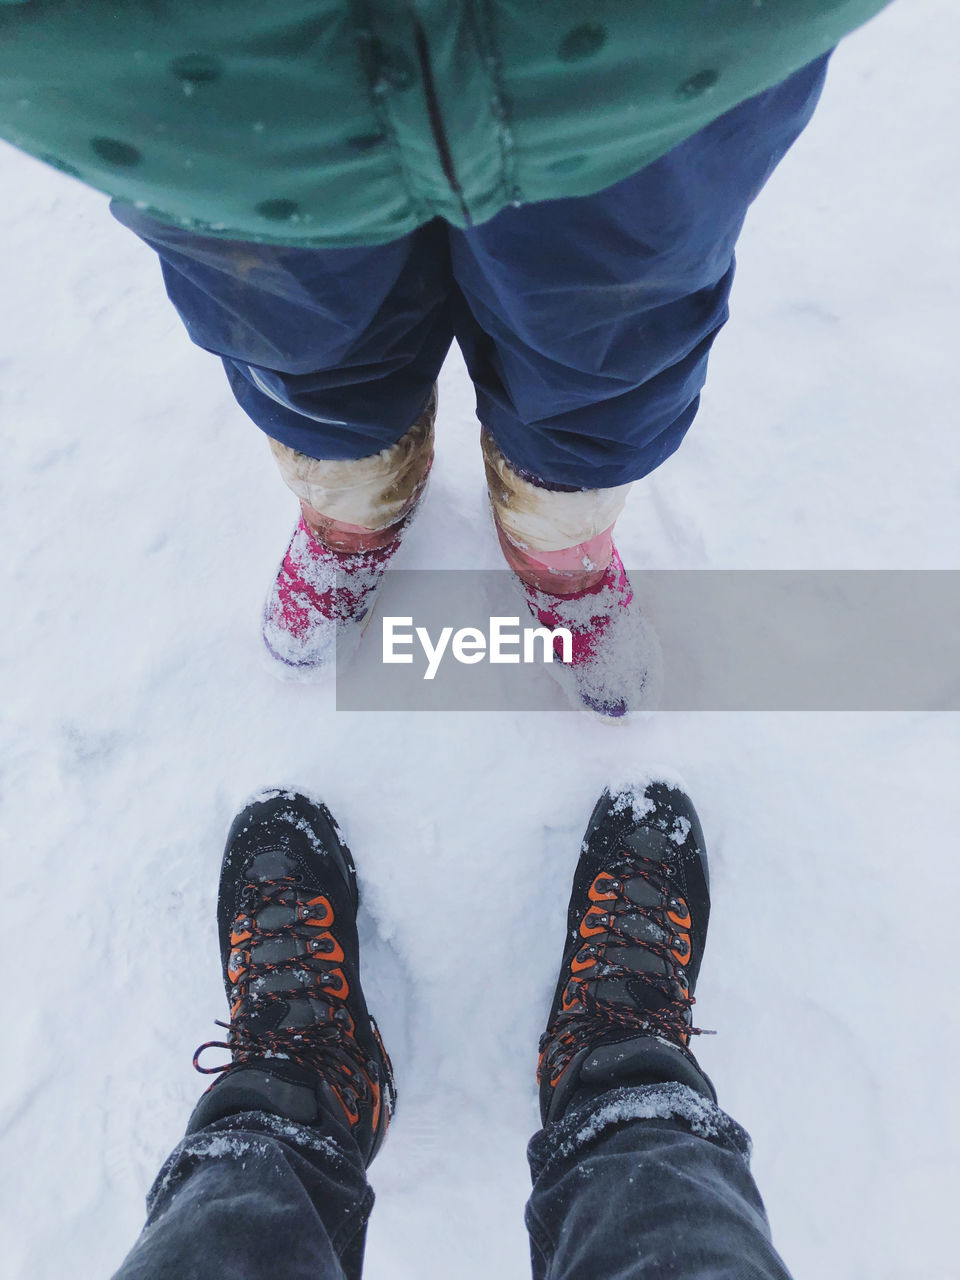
(585, 323)
(650, 1182)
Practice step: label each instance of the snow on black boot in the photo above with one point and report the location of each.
(322, 600)
(615, 663)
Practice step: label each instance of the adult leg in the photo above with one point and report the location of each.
(270, 1179)
(647, 1183)
(637, 1172)
(256, 1195)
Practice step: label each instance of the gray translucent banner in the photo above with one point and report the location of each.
(728, 640)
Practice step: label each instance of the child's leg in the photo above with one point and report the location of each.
(359, 505)
(586, 323)
(556, 539)
(333, 353)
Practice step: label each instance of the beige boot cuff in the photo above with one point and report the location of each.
(546, 519)
(373, 492)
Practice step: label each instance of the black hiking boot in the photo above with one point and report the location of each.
(302, 1042)
(636, 930)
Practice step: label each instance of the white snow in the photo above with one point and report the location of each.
(680, 830)
(700, 1114)
(627, 795)
(142, 520)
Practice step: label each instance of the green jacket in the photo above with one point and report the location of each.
(339, 122)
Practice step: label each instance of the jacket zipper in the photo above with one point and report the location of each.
(440, 138)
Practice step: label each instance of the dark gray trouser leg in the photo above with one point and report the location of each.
(647, 1183)
(256, 1197)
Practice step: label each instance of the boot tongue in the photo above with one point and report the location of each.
(306, 1011)
(303, 1008)
(301, 1002)
(642, 893)
(273, 950)
(647, 842)
(642, 930)
(271, 864)
(300, 1009)
(278, 915)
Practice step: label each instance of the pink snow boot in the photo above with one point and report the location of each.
(615, 657)
(323, 595)
(353, 514)
(559, 543)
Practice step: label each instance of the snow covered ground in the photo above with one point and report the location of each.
(141, 521)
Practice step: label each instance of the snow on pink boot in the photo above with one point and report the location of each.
(353, 514)
(615, 660)
(559, 542)
(323, 595)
